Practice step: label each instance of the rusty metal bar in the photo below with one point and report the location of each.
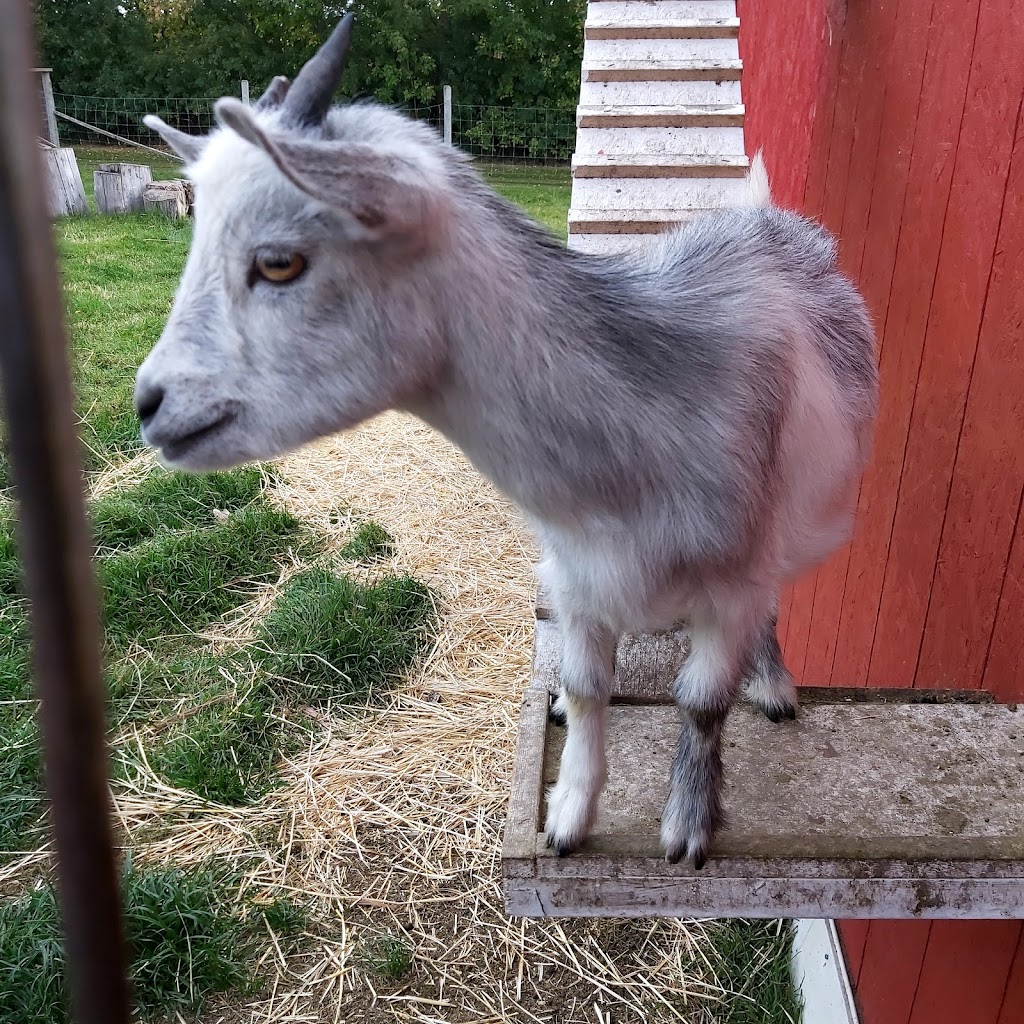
(55, 546)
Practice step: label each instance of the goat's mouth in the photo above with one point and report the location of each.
(180, 448)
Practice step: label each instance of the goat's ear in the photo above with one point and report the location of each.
(188, 147)
(381, 193)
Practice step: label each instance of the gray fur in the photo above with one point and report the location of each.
(683, 429)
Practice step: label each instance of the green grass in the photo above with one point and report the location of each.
(330, 638)
(177, 583)
(119, 275)
(369, 543)
(167, 502)
(751, 960)
(386, 957)
(191, 939)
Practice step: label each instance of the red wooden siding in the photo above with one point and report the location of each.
(901, 122)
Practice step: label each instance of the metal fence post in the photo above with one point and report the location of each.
(55, 547)
(448, 114)
(245, 91)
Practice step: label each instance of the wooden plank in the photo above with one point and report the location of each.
(1004, 671)
(801, 607)
(889, 189)
(626, 222)
(659, 165)
(965, 971)
(848, 199)
(891, 969)
(818, 828)
(943, 94)
(661, 28)
(853, 935)
(695, 116)
(833, 31)
(968, 243)
(662, 70)
(520, 839)
(1012, 1011)
(988, 476)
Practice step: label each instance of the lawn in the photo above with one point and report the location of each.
(247, 635)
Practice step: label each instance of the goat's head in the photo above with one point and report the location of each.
(302, 309)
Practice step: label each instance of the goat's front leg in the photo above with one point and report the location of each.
(705, 690)
(588, 667)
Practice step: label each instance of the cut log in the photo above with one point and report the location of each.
(120, 187)
(171, 198)
(64, 183)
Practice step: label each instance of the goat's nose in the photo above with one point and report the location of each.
(147, 402)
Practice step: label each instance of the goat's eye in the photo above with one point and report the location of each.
(279, 269)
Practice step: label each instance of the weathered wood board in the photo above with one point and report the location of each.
(907, 804)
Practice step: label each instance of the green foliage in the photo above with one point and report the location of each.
(522, 53)
(331, 637)
(190, 935)
(370, 541)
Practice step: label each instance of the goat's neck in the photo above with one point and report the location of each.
(523, 376)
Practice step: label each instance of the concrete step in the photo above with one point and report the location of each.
(660, 49)
(662, 28)
(659, 10)
(639, 165)
(607, 245)
(625, 221)
(597, 195)
(681, 116)
(659, 93)
(657, 141)
(662, 70)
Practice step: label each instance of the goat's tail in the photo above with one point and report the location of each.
(759, 190)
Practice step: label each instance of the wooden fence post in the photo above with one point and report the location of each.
(49, 111)
(245, 91)
(448, 114)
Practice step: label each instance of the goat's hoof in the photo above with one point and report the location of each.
(562, 847)
(780, 713)
(686, 844)
(698, 852)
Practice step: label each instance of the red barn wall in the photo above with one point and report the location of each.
(898, 124)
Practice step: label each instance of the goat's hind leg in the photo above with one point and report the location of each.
(768, 684)
(588, 665)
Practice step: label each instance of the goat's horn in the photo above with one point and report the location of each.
(276, 92)
(309, 97)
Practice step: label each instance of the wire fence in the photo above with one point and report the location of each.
(521, 135)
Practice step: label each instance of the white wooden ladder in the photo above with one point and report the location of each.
(660, 120)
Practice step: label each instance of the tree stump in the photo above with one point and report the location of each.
(171, 198)
(65, 191)
(120, 187)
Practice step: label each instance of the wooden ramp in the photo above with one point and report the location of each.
(660, 120)
(873, 804)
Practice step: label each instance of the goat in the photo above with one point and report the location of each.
(684, 430)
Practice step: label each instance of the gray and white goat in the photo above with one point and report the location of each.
(683, 430)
